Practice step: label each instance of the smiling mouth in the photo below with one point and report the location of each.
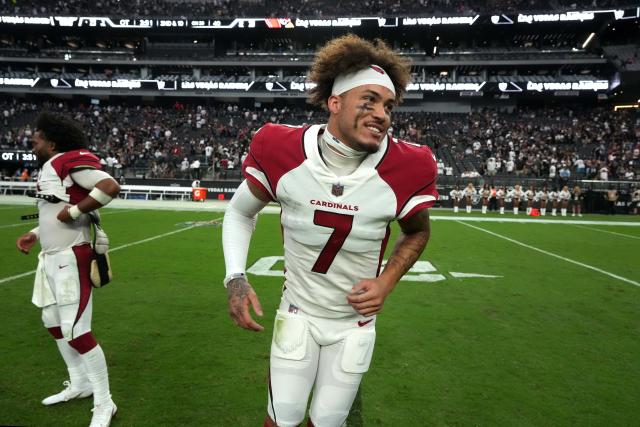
(375, 129)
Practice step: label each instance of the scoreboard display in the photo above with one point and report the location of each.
(17, 157)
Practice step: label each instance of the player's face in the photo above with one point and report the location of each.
(42, 148)
(361, 117)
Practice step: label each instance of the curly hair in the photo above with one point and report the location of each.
(67, 134)
(350, 53)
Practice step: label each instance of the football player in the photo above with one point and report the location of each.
(70, 185)
(339, 186)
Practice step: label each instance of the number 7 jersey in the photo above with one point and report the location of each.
(336, 229)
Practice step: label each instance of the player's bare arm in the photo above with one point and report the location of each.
(241, 295)
(108, 188)
(367, 296)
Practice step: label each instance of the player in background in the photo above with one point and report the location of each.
(339, 186)
(469, 194)
(563, 197)
(486, 194)
(553, 198)
(500, 195)
(530, 196)
(576, 197)
(70, 185)
(516, 195)
(456, 195)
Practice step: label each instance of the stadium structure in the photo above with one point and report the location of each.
(506, 320)
(550, 82)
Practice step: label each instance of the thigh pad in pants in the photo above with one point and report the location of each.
(357, 352)
(290, 335)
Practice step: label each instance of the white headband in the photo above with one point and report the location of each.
(372, 75)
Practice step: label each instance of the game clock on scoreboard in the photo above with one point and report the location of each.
(13, 156)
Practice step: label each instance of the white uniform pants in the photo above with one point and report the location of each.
(331, 354)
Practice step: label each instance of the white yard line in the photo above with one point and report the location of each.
(18, 224)
(126, 245)
(537, 220)
(569, 260)
(608, 232)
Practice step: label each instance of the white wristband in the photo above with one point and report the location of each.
(36, 231)
(74, 212)
(233, 276)
(100, 196)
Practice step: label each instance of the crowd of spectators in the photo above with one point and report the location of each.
(177, 141)
(288, 8)
(554, 143)
(198, 141)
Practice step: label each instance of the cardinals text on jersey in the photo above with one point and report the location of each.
(333, 239)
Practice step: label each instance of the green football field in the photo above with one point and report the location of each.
(548, 335)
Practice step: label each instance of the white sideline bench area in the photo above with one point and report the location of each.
(146, 192)
(153, 192)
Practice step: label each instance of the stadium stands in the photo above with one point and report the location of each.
(153, 141)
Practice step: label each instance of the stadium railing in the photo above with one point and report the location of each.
(146, 192)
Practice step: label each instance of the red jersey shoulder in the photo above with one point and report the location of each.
(275, 137)
(74, 159)
(277, 148)
(409, 170)
(414, 161)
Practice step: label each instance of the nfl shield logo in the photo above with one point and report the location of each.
(337, 189)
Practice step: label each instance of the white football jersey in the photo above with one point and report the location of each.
(55, 180)
(336, 229)
(541, 195)
(553, 196)
(529, 195)
(564, 195)
(500, 193)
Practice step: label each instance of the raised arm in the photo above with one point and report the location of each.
(103, 189)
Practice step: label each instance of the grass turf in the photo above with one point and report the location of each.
(547, 343)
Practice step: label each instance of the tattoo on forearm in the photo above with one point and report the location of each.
(407, 251)
(411, 243)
